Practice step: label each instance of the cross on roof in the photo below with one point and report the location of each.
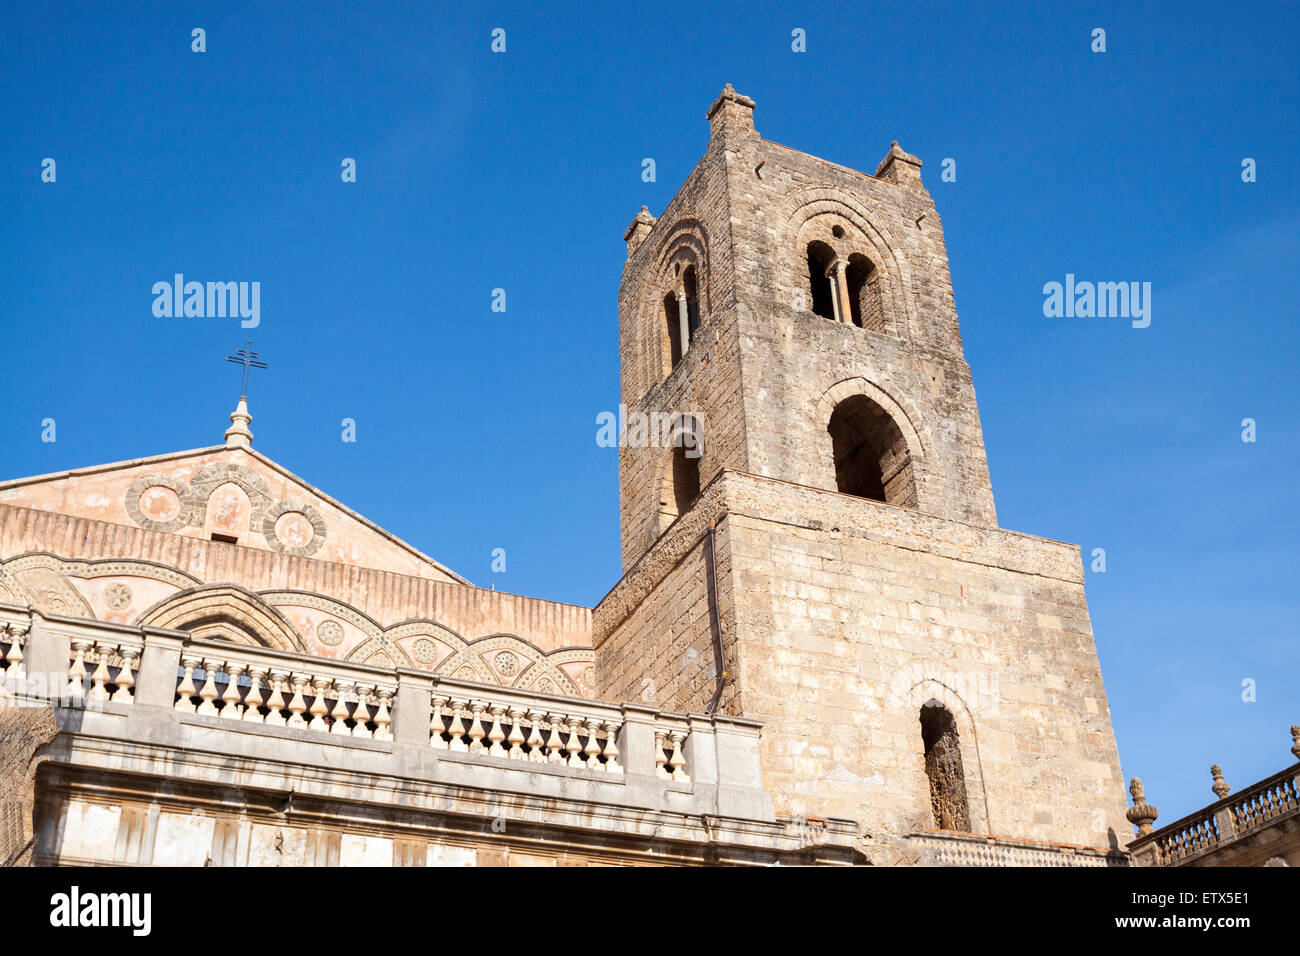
(249, 359)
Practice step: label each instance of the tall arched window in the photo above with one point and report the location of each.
(871, 454)
(692, 300)
(944, 769)
(674, 329)
(686, 480)
(820, 256)
(864, 294)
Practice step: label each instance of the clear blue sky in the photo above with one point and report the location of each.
(476, 429)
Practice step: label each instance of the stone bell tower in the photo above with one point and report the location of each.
(826, 535)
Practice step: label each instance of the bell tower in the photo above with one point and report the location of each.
(822, 549)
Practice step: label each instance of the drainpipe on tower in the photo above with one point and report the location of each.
(719, 661)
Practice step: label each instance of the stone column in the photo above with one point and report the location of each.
(838, 273)
(683, 320)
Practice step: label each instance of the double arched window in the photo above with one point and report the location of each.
(682, 313)
(845, 289)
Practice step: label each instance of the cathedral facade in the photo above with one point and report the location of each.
(822, 648)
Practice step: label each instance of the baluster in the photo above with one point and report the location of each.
(275, 705)
(361, 713)
(611, 748)
(495, 733)
(209, 691)
(382, 719)
(457, 729)
(232, 709)
(124, 694)
(554, 744)
(77, 672)
(186, 690)
(661, 758)
(516, 737)
(342, 689)
(476, 730)
(253, 699)
(592, 750)
(100, 677)
(436, 728)
(15, 656)
(679, 757)
(318, 708)
(297, 703)
(536, 745)
(574, 746)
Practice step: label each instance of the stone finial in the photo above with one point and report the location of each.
(1295, 740)
(638, 230)
(731, 112)
(1141, 814)
(238, 435)
(900, 167)
(1220, 787)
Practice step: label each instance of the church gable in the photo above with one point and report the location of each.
(228, 494)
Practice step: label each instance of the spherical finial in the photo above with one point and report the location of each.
(1141, 814)
(1220, 786)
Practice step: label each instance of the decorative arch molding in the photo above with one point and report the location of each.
(225, 612)
(848, 387)
(924, 680)
(685, 244)
(802, 206)
(12, 590)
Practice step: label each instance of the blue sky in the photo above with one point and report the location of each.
(521, 171)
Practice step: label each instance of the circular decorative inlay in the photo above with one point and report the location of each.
(159, 503)
(544, 686)
(506, 663)
(294, 529)
(589, 676)
(117, 595)
(330, 632)
(425, 651)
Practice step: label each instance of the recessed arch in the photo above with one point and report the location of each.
(225, 612)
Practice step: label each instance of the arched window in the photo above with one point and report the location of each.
(943, 767)
(692, 300)
(674, 329)
(871, 454)
(864, 293)
(686, 479)
(820, 257)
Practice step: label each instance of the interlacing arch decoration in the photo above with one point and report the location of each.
(826, 217)
(225, 612)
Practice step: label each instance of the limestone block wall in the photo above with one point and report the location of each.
(795, 364)
(843, 617)
(24, 730)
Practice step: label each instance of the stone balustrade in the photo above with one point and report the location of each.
(1221, 822)
(256, 686)
(163, 689)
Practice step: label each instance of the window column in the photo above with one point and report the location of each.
(838, 273)
(683, 318)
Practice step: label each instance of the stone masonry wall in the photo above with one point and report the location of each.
(22, 731)
(845, 616)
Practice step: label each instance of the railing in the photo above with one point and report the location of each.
(1222, 822)
(246, 685)
(238, 687)
(570, 732)
(11, 650)
(101, 670)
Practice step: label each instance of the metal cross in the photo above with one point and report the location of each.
(249, 359)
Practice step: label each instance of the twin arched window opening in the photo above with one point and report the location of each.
(845, 290)
(682, 314)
